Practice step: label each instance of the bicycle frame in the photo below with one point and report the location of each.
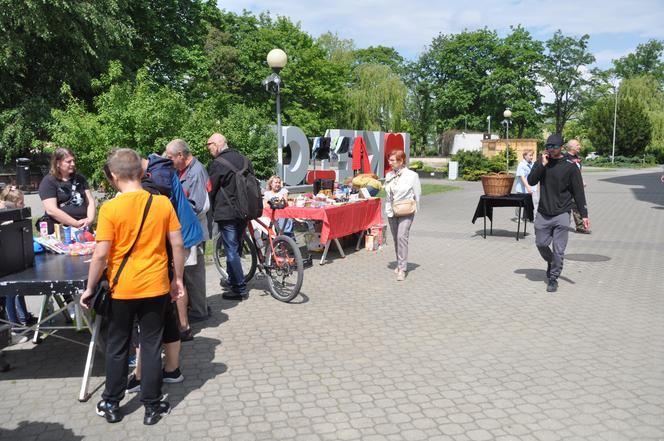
(271, 234)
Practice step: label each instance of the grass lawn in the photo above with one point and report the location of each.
(428, 189)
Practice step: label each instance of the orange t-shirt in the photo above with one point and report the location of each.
(146, 271)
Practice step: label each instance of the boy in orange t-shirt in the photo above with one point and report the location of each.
(143, 287)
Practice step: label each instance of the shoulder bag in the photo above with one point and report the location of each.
(404, 207)
(101, 299)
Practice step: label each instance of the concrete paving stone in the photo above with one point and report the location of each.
(480, 339)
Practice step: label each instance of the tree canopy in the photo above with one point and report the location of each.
(97, 75)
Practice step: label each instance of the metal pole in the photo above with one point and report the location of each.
(615, 117)
(280, 147)
(507, 147)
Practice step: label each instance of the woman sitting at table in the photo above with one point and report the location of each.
(65, 194)
(274, 190)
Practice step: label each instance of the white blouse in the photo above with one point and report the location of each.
(402, 186)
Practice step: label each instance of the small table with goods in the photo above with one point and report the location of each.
(58, 278)
(497, 189)
(337, 220)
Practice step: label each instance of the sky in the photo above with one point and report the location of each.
(615, 27)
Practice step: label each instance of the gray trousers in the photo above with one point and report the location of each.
(552, 230)
(400, 228)
(194, 281)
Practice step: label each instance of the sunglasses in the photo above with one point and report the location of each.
(551, 146)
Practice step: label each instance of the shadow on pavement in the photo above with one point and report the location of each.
(501, 233)
(411, 266)
(53, 358)
(651, 188)
(539, 275)
(33, 430)
(197, 367)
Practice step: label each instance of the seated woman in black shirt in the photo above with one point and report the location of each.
(65, 194)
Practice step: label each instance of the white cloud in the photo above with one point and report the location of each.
(409, 27)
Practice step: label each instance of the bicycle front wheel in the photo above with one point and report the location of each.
(284, 269)
(247, 257)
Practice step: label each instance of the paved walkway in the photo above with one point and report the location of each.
(470, 347)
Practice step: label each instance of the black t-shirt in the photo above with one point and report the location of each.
(70, 195)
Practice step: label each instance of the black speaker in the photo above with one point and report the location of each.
(16, 249)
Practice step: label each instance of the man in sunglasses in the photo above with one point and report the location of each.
(560, 186)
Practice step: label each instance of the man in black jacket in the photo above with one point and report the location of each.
(223, 197)
(561, 183)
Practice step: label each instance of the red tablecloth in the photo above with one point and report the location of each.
(338, 221)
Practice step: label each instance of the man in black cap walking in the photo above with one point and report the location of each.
(561, 182)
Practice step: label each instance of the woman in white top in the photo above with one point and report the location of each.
(276, 190)
(401, 184)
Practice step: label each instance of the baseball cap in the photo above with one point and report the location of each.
(554, 141)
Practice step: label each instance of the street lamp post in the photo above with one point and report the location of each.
(277, 59)
(615, 119)
(506, 122)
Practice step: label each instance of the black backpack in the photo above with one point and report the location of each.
(249, 200)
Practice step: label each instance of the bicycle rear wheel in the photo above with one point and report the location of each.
(284, 269)
(247, 257)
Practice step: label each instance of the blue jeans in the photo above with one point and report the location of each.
(231, 234)
(17, 311)
(285, 226)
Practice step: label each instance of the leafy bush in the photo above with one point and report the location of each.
(473, 174)
(622, 161)
(416, 165)
(472, 165)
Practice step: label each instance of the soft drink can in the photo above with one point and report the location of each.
(67, 238)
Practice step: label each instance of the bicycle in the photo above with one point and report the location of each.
(277, 256)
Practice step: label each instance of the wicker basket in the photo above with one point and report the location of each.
(497, 184)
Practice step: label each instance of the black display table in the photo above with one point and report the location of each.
(523, 201)
(53, 277)
(52, 274)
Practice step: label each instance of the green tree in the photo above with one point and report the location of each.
(338, 50)
(376, 98)
(419, 107)
(313, 94)
(49, 43)
(563, 72)
(519, 59)
(646, 60)
(386, 56)
(633, 128)
(456, 69)
(647, 90)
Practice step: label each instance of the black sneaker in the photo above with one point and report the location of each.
(154, 412)
(233, 296)
(30, 320)
(552, 286)
(186, 335)
(548, 270)
(133, 384)
(110, 411)
(582, 231)
(172, 377)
